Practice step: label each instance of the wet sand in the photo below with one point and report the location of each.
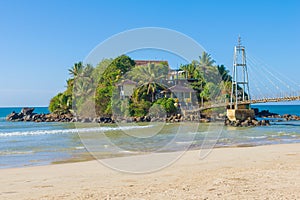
(263, 172)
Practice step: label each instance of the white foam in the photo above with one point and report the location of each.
(3, 153)
(125, 151)
(66, 131)
(79, 148)
(185, 142)
(256, 137)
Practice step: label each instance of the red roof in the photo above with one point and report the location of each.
(127, 82)
(146, 62)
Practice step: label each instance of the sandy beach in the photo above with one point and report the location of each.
(262, 172)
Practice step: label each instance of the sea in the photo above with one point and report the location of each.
(24, 144)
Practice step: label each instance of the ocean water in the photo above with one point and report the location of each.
(29, 144)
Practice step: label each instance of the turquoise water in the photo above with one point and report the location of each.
(280, 109)
(29, 144)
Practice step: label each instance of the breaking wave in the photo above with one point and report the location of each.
(67, 131)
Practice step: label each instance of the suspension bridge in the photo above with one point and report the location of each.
(266, 85)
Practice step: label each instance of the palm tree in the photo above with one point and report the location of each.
(87, 70)
(205, 61)
(152, 76)
(76, 70)
(226, 89)
(224, 73)
(82, 88)
(189, 70)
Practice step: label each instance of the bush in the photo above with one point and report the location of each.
(61, 104)
(140, 108)
(168, 105)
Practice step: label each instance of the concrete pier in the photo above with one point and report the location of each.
(239, 114)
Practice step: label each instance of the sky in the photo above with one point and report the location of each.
(41, 40)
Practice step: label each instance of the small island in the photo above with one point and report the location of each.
(127, 90)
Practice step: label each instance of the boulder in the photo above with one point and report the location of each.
(27, 111)
(85, 120)
(245, 123)
(148, 119)
(255, 122)
(12, 116)
(129, 120)
(95, 120)
(27, 118)
(137, 119)
(204, 120)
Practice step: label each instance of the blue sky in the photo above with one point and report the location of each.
(40, 40)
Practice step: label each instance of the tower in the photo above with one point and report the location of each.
(240, 84)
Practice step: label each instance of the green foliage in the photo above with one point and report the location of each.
(149, 73)
(209, 81)
(224, 73)
(61, 104)
(205, 60)
(168, 104)
(103, 99)
(211, 91)
(76, 70)
(124, 107)
(78, 86)
(150, 77)
(92, 88)
(82, 88)
(110, 76)
(140, 108)
(190, 70)
(99, 69)
(147, 91)
(117, 68)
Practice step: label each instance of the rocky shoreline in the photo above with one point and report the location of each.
(28, 115)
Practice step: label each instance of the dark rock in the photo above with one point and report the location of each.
(265, 113)
(148, 119)
(154, 119)
(27, 111)
(204, 120)
(137, 119)
(244, 124)
(256, 111)
(85, 120)
(75, 119)
(20, 115)
(107, 120)
(254, 122)
(129, 120)
(12, 116)
(27, 118)
(286, 116)
(95, 120)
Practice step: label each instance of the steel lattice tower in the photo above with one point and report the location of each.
(239, 78)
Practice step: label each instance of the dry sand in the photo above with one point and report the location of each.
(264, 172)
